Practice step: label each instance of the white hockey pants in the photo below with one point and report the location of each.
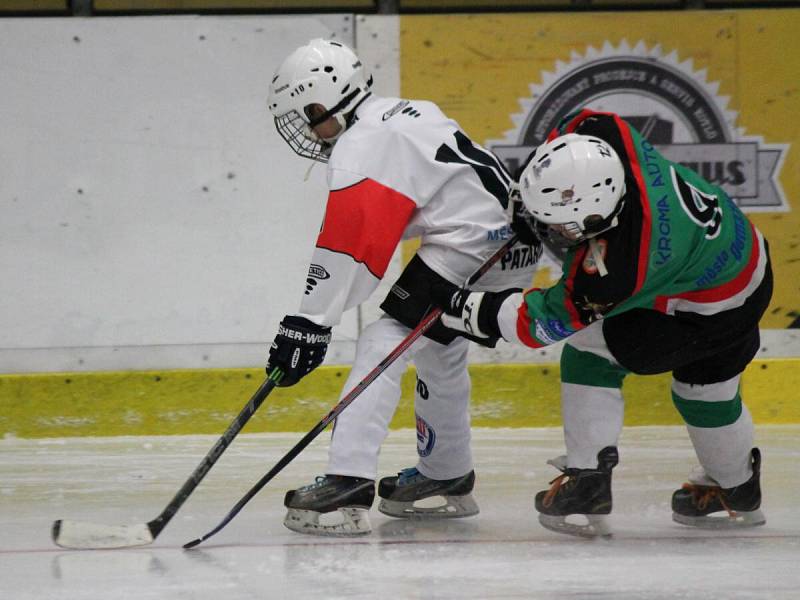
(441, 405)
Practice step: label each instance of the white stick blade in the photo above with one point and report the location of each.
(81, 535)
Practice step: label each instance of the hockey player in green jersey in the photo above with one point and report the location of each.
(662, 273)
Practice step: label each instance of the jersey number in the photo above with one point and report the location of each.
(491, 172)
(702, 208)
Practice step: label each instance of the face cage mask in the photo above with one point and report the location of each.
(558, 239)
(301, 138)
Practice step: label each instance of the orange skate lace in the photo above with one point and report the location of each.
(702, 495)
(553, 491)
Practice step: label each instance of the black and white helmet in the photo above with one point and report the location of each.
(574, 185)
(322, 72)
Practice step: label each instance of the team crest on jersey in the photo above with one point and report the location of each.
(672, 104)
(426, 437)
(590, 262)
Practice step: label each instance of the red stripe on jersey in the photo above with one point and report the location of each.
(725, 290)
(524, 319)
(576, 120)
(366, 222)
(570, 127)
(524, 323)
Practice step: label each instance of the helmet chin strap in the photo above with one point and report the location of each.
(597, 255)
(342, 121)
(337, 112)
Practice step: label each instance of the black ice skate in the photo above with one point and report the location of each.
(452, 497)
(579, 492)
(350, 496)
(696, 502)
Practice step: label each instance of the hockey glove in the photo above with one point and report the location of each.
(298, 349)
(474, 314)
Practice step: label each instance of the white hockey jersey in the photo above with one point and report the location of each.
(404, 170)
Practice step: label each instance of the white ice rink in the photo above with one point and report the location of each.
(501, 553)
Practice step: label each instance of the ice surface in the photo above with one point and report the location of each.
(501, 553)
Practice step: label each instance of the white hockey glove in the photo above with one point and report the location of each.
(474, 314)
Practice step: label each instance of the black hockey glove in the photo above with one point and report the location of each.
(473, 314)
(298, 349)
(522, 222)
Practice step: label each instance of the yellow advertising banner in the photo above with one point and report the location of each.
(716, 90)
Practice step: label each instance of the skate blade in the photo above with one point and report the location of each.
(454, 507)
(722, 521)
(355, 522)
(596, 526)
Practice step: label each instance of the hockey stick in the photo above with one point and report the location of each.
(84, 535)
(423, 326)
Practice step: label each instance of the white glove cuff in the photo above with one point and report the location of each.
(507, 318)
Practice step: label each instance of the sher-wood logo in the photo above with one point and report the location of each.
(669, 102)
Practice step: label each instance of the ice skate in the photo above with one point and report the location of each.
(697, 503)
(449, 498)
(585, 492)
(350, 497)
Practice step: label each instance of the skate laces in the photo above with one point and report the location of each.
(703, 495)
(555, 485)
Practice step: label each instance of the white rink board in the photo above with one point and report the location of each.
(152, 216)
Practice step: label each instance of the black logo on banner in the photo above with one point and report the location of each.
(674, 107)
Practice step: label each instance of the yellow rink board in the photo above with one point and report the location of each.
(206, 401)
(33, 5)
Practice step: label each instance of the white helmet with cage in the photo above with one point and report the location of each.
(573, 185)
(324, 72)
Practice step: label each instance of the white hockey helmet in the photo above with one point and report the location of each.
(322, 72)
(573, 185)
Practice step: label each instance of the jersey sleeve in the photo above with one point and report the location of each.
(540, 317)
(364, 221)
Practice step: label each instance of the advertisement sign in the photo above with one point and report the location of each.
(714, 90)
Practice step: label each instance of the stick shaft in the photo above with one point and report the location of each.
(249, 409)
(423, 326)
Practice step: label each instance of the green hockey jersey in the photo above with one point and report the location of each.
(681, 244)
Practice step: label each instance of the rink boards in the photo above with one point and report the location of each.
(137, 256)
(206, 401)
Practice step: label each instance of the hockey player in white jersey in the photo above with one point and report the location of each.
(397, 169)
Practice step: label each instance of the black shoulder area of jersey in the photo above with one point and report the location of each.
(610, 128)
(593, 294)
(621, 244)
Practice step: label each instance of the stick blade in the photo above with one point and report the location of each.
(80, 535)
